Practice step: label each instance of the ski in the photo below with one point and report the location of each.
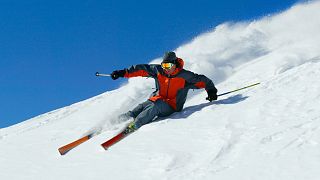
(64, 149)
(115, 139)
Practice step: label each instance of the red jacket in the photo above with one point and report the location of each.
(172, 89)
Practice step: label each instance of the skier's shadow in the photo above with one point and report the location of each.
(188, 111)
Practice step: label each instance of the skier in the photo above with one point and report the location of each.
(172, 85)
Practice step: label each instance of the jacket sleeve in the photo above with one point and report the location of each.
(144, 70)
(196, 81)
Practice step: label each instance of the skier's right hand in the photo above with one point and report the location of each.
(118, 73)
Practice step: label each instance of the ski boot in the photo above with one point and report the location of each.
(131, 128)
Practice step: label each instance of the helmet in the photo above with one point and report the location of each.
(169, 57)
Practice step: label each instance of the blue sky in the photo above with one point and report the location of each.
(50, 50)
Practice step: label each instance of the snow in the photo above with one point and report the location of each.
(270, 131)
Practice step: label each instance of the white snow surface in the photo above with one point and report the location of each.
(270, 131)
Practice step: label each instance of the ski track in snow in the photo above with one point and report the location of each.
(270, 131)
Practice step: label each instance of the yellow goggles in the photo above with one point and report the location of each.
(167, 65)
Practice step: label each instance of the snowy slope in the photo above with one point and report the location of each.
(271, 131)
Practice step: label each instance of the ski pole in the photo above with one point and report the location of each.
(238, 89)
(99, 74)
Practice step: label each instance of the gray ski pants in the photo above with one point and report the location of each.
(146, 112)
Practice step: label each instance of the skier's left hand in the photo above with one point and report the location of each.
(212, 95)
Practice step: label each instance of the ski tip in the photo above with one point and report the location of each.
(63, 151)
(104, 147)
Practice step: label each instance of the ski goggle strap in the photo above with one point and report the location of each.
(167, 65)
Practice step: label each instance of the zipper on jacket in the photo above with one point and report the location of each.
(168, 88)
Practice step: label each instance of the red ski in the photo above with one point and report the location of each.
(116, 139)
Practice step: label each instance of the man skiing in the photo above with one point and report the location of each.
(172, 85)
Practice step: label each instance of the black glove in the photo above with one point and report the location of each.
(119, 73)
(212, 95)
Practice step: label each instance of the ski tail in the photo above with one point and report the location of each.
(64, 149)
